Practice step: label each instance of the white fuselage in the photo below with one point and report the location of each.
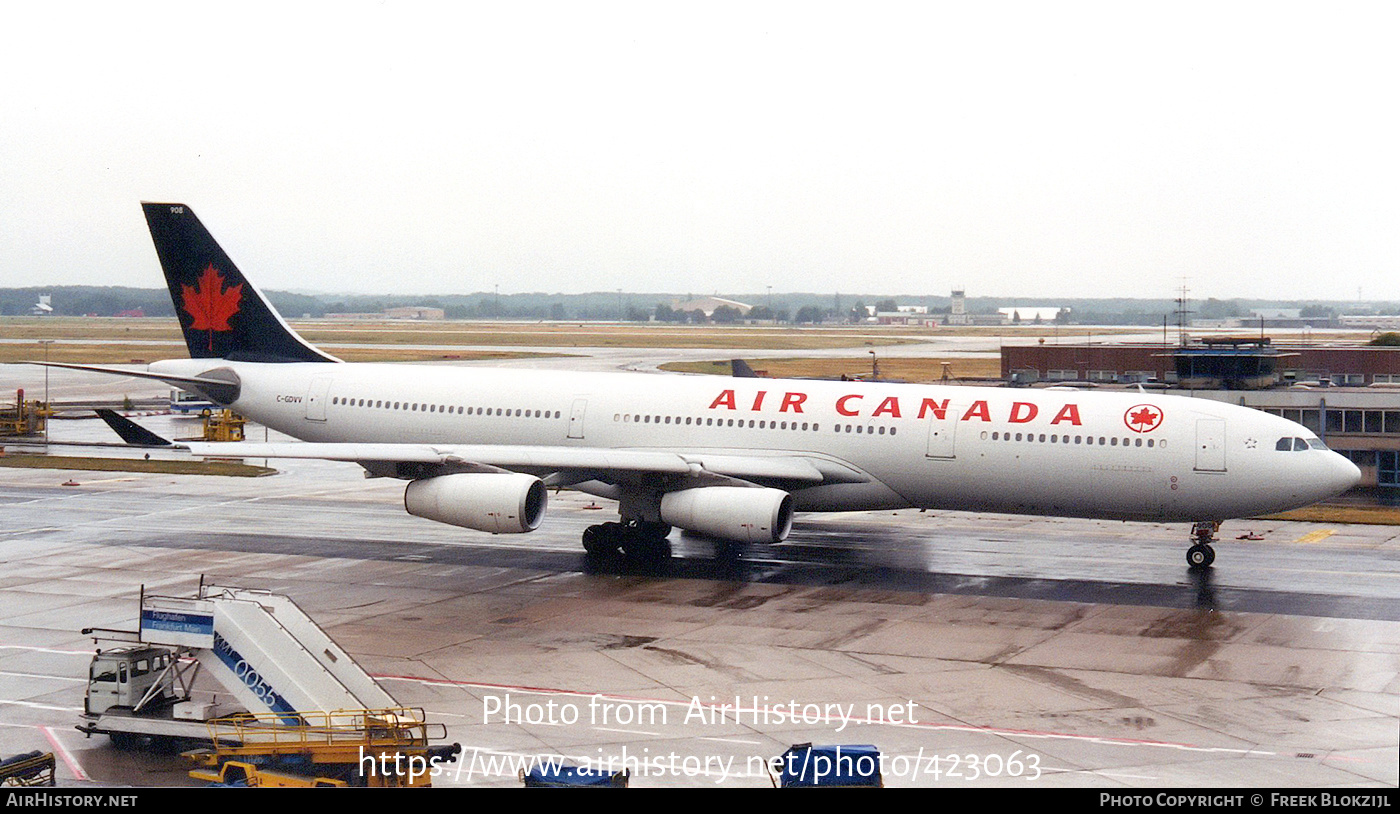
(1123, 455)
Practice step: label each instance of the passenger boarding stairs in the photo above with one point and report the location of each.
(264, 650)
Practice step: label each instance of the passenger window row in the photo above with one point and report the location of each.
(418, 407)
(860, 428)
(752, 423)
(1087, 440)
(689, 421)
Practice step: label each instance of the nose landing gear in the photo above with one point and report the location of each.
(1200, 555)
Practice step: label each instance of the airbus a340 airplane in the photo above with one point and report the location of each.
(731, 458)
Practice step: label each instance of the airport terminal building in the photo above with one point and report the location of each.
(1349, 396)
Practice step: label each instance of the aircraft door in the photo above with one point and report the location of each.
(316, 398)
(576, 418)
(942, 435)
(1210, 445)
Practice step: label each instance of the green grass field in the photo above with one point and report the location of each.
(906, 370)
(193, 466)
(107, 340)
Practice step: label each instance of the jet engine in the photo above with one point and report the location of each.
(746, 515)
(501, 503)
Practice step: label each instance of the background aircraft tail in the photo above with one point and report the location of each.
(222, 315)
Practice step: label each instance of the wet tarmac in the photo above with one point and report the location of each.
(972, 650)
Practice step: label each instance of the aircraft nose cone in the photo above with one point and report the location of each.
(1342, 474)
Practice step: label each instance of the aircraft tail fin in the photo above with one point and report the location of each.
(223, 316)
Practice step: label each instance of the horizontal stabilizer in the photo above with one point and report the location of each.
(131, 432)
(224, 391)
(741, 369)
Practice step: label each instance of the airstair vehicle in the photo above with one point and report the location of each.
(305, 708)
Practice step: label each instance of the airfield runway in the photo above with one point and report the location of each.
(972, 650)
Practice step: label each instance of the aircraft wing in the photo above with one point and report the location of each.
(549, 459)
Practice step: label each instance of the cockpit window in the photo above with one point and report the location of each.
(1316, 443)
(1299, 444)
(1284, 445)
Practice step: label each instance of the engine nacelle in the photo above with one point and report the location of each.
(746, 515)
(502, 503)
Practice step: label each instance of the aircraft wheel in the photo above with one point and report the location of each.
(648, 549)
(124, 741)
(646, 541)
(662, 530)
(1200, 556)
(601, 539)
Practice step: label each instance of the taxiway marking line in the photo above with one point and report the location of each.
(36, 705)
(11, 674)
(733, 740)
(33, 649)
(62, 751)
(1316, 536)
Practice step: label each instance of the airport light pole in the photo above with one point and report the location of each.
(49, 412)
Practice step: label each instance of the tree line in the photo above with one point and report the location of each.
(799, 308)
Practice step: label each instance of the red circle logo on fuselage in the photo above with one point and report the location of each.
(1143, 418)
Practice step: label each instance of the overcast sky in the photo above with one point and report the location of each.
(1041, 149)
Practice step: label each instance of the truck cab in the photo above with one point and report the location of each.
(130, 677)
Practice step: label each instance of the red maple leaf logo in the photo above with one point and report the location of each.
(1142, 418)
(209, 304)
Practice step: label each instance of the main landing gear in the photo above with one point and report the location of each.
(1200, 555)
(633, 538)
